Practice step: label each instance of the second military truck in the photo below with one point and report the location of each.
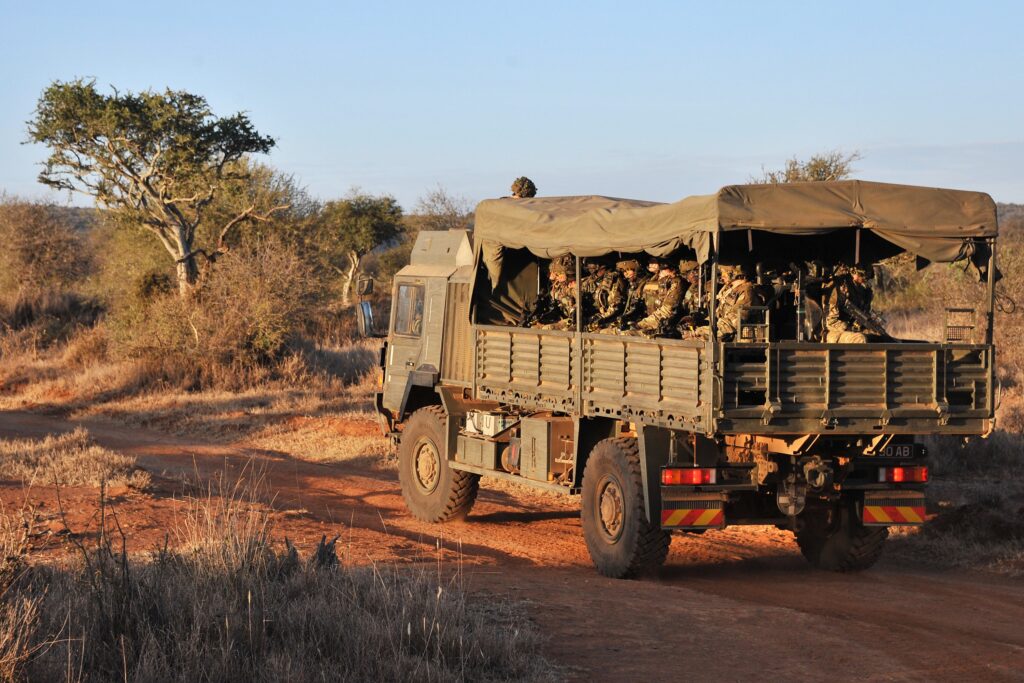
(663, 435)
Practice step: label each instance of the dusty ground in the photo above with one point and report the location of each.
(733, 605)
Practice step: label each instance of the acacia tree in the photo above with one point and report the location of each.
(351, 228)
(438, 210)
(156, 159)
(833, 165)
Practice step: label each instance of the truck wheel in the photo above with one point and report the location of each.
(432, 490)
(838, 542)
(621, 540)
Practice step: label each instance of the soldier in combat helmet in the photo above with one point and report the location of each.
(737, 292)
(663, 294)
(848, 306)
(607, 295)
(561, 314)
(633, 303)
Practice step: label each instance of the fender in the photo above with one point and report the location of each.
(425, 376)
(654, 446)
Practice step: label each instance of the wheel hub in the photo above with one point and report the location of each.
(427, 466)
(611, 509)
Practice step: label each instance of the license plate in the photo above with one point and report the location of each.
(900, 450)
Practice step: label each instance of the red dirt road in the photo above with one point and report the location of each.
(732, 605)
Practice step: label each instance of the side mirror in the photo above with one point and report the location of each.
(364, 287)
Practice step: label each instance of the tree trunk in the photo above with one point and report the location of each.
(188, 276)
(350, 276)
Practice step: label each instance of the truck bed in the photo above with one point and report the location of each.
(749, 388)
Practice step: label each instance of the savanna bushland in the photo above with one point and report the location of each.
(203, 292)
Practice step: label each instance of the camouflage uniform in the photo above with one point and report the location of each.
(737, 294)
(662, 296)
(562, 312)
(609, 299)
(840, 326)
(632, 307)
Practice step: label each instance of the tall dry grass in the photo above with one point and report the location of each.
(71, 459)
(229, 604)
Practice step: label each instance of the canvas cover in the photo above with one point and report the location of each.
(936, 224)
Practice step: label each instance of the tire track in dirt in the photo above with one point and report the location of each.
(734, 605)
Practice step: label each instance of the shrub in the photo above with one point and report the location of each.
(42, 251)
(247, 316)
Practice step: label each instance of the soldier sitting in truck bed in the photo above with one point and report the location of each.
(695, 301)
(848, 317)
(560, 311)
(737, 293)
(607, 299)
(633, 304)
(663, 294)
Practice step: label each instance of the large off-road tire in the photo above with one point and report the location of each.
(432, 490)
(836, 540)
(622, 541)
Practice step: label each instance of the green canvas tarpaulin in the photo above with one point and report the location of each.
(935, 224)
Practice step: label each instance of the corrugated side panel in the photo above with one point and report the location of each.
(457, 355)
(525, 367)
(907, 379)
(649, 380)
(967, 376)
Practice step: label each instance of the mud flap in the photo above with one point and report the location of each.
(692, 510)
(893, 508)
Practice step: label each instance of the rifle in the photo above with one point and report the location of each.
(537, 311)
(631, 312)
(867, 320)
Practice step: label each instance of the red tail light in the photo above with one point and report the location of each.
(691, 476)
(898, 475)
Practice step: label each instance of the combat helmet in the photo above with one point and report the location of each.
(523, 188)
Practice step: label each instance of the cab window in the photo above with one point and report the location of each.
(409, 311)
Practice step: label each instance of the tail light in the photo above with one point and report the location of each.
(691, 476)
(899, 475)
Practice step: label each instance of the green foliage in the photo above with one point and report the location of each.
(833, 165)
(358, 224)
(156, 159)
(348, 229)
(254, 306)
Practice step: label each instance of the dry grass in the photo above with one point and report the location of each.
(351, 437)
(71, 459)
(326, 380)
(977, 491)
(231, 605)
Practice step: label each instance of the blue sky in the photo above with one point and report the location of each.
(649, 100)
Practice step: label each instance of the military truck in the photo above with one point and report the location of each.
(685, 435)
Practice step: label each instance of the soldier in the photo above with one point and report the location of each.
(663, 294)
(848, 307)
(562, 312)
(523, 188)
(633, 304)
(695, 300)
(737, 292)
(608, 297)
